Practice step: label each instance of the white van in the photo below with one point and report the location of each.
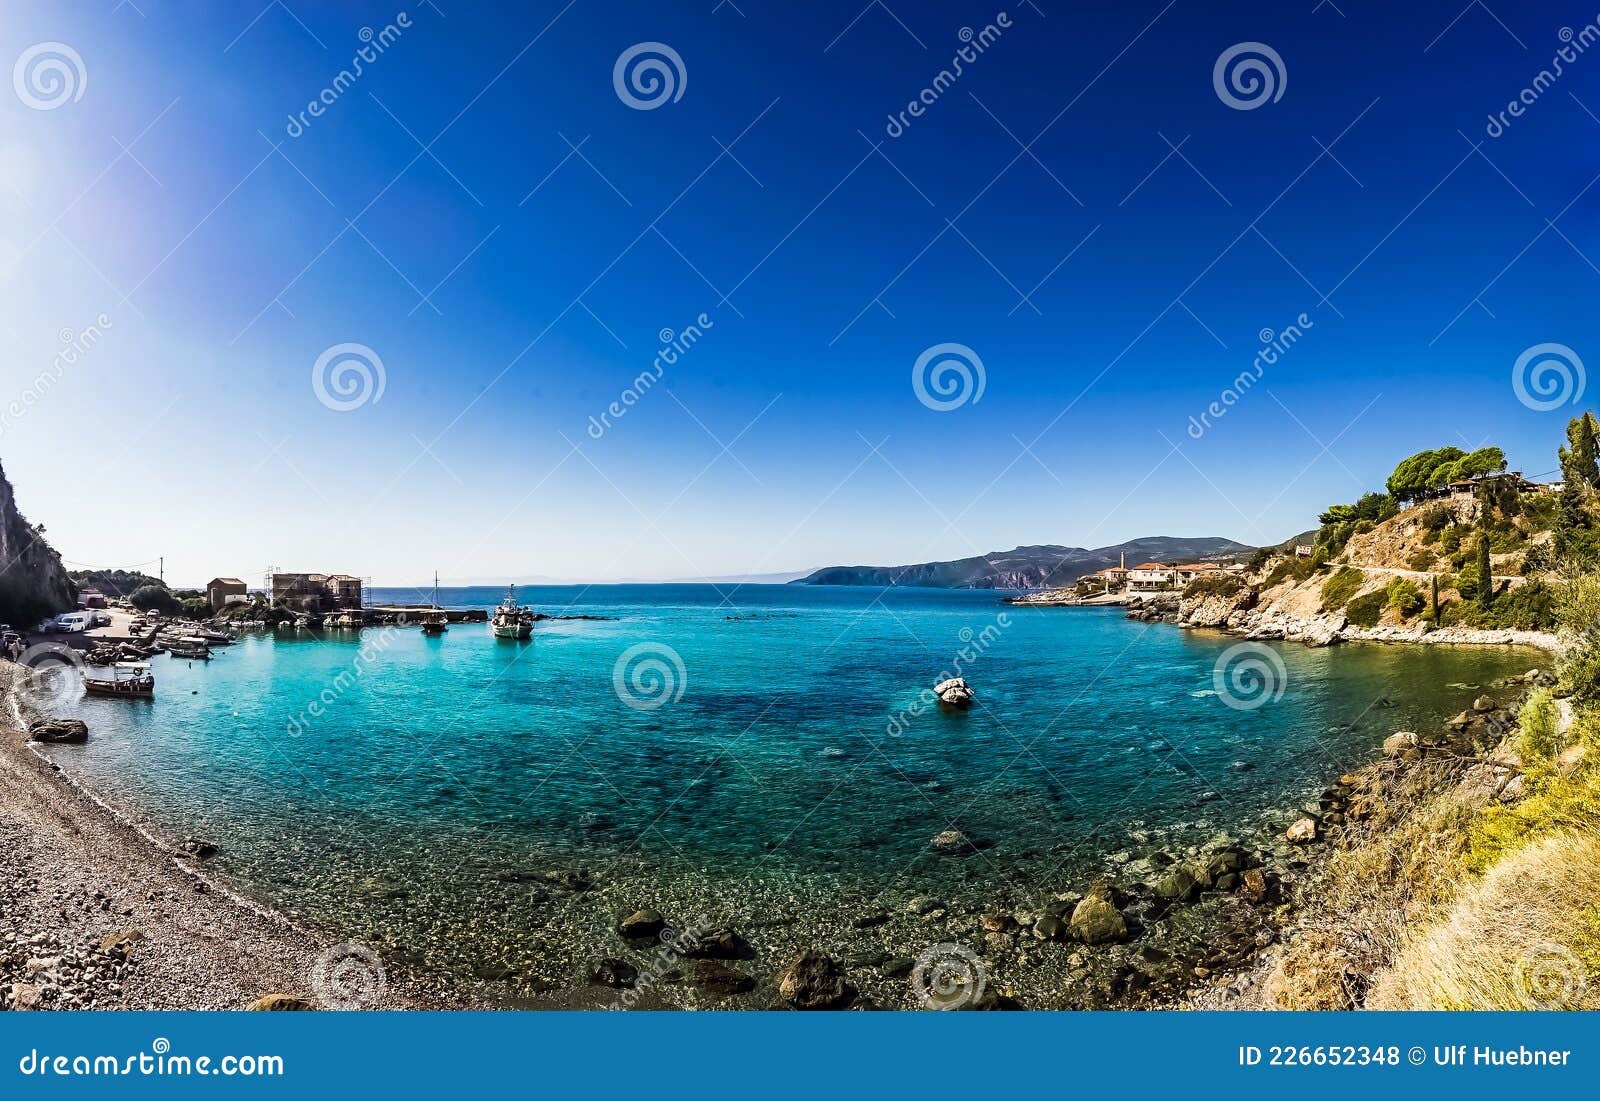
(74, 621)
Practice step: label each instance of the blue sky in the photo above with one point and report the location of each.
(437, 213)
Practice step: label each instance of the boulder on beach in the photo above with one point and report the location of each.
(1402, 744)
(814, 981)
(1096, 919)
(1482, 704)
(718, 944)
(277, 1003)
(954, 692)
(717, 978)
(1303, 832)
(59, 731)
(1253, 885)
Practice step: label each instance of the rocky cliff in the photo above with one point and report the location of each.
(33, 583)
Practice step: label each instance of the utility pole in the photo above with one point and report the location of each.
(162, 569)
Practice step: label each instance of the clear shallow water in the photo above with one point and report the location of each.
(444, 769)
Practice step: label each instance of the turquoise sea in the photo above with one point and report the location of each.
(764, 742)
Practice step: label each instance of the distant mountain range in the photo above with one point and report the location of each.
(1041, 567)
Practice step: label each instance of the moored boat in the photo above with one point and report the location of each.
(435, 621)
(512, 620)
(128, 680)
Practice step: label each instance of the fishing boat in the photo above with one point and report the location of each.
(129, 680)
(512, 620)
(190, 648)
(435, 621)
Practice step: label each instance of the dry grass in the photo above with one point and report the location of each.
(1525, 936)
(1458, 903)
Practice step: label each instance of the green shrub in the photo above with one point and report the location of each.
(1450, 539)
(1365, 611)
(1421, 560)
(1338, 589)
(1404, 597)
(1292, 568)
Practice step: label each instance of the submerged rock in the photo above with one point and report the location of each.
(953, 842)
(716, 977)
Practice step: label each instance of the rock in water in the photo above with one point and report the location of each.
(1096, 919)
(954, 692)
(814, 981)
(1303, 832)
(642, 924)
(1253, 885)
(59, 732)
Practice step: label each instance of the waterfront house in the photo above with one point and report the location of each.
(222, 591)
(1151, 577)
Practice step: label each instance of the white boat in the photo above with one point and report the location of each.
(512, 620)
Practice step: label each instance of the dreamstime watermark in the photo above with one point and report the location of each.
(157, 1062)
(974, 644)
(374, 43)
(53, 675)
(1548, 376)
(372, 645)
(1249, 75)
(1550, 976)
(973, 46)
(649, 75)
(349, 976)
(1574, 47)
(948, 976)
(948, 376)
(74, 346)
(649, 675)
(674, 346)
(49, 75)
(1274, 346)
(1249, 675)
(675, 947)
(348, 376)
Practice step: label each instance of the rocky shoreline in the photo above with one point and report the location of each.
(97, 914)
(1243, 615)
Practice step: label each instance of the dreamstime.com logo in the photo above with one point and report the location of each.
(49, 75)
(948, 976)
(1550, 976)
(348, 376)
(158, 1062)
(948, 376)
(373, 45)
(1249, 75)
(349, 976)
(649, 75)
(1548, 376)
(1249, 675)
(54, 675)
(649, 675)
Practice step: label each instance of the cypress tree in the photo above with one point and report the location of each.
(1485, 576)
(1435, 580)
